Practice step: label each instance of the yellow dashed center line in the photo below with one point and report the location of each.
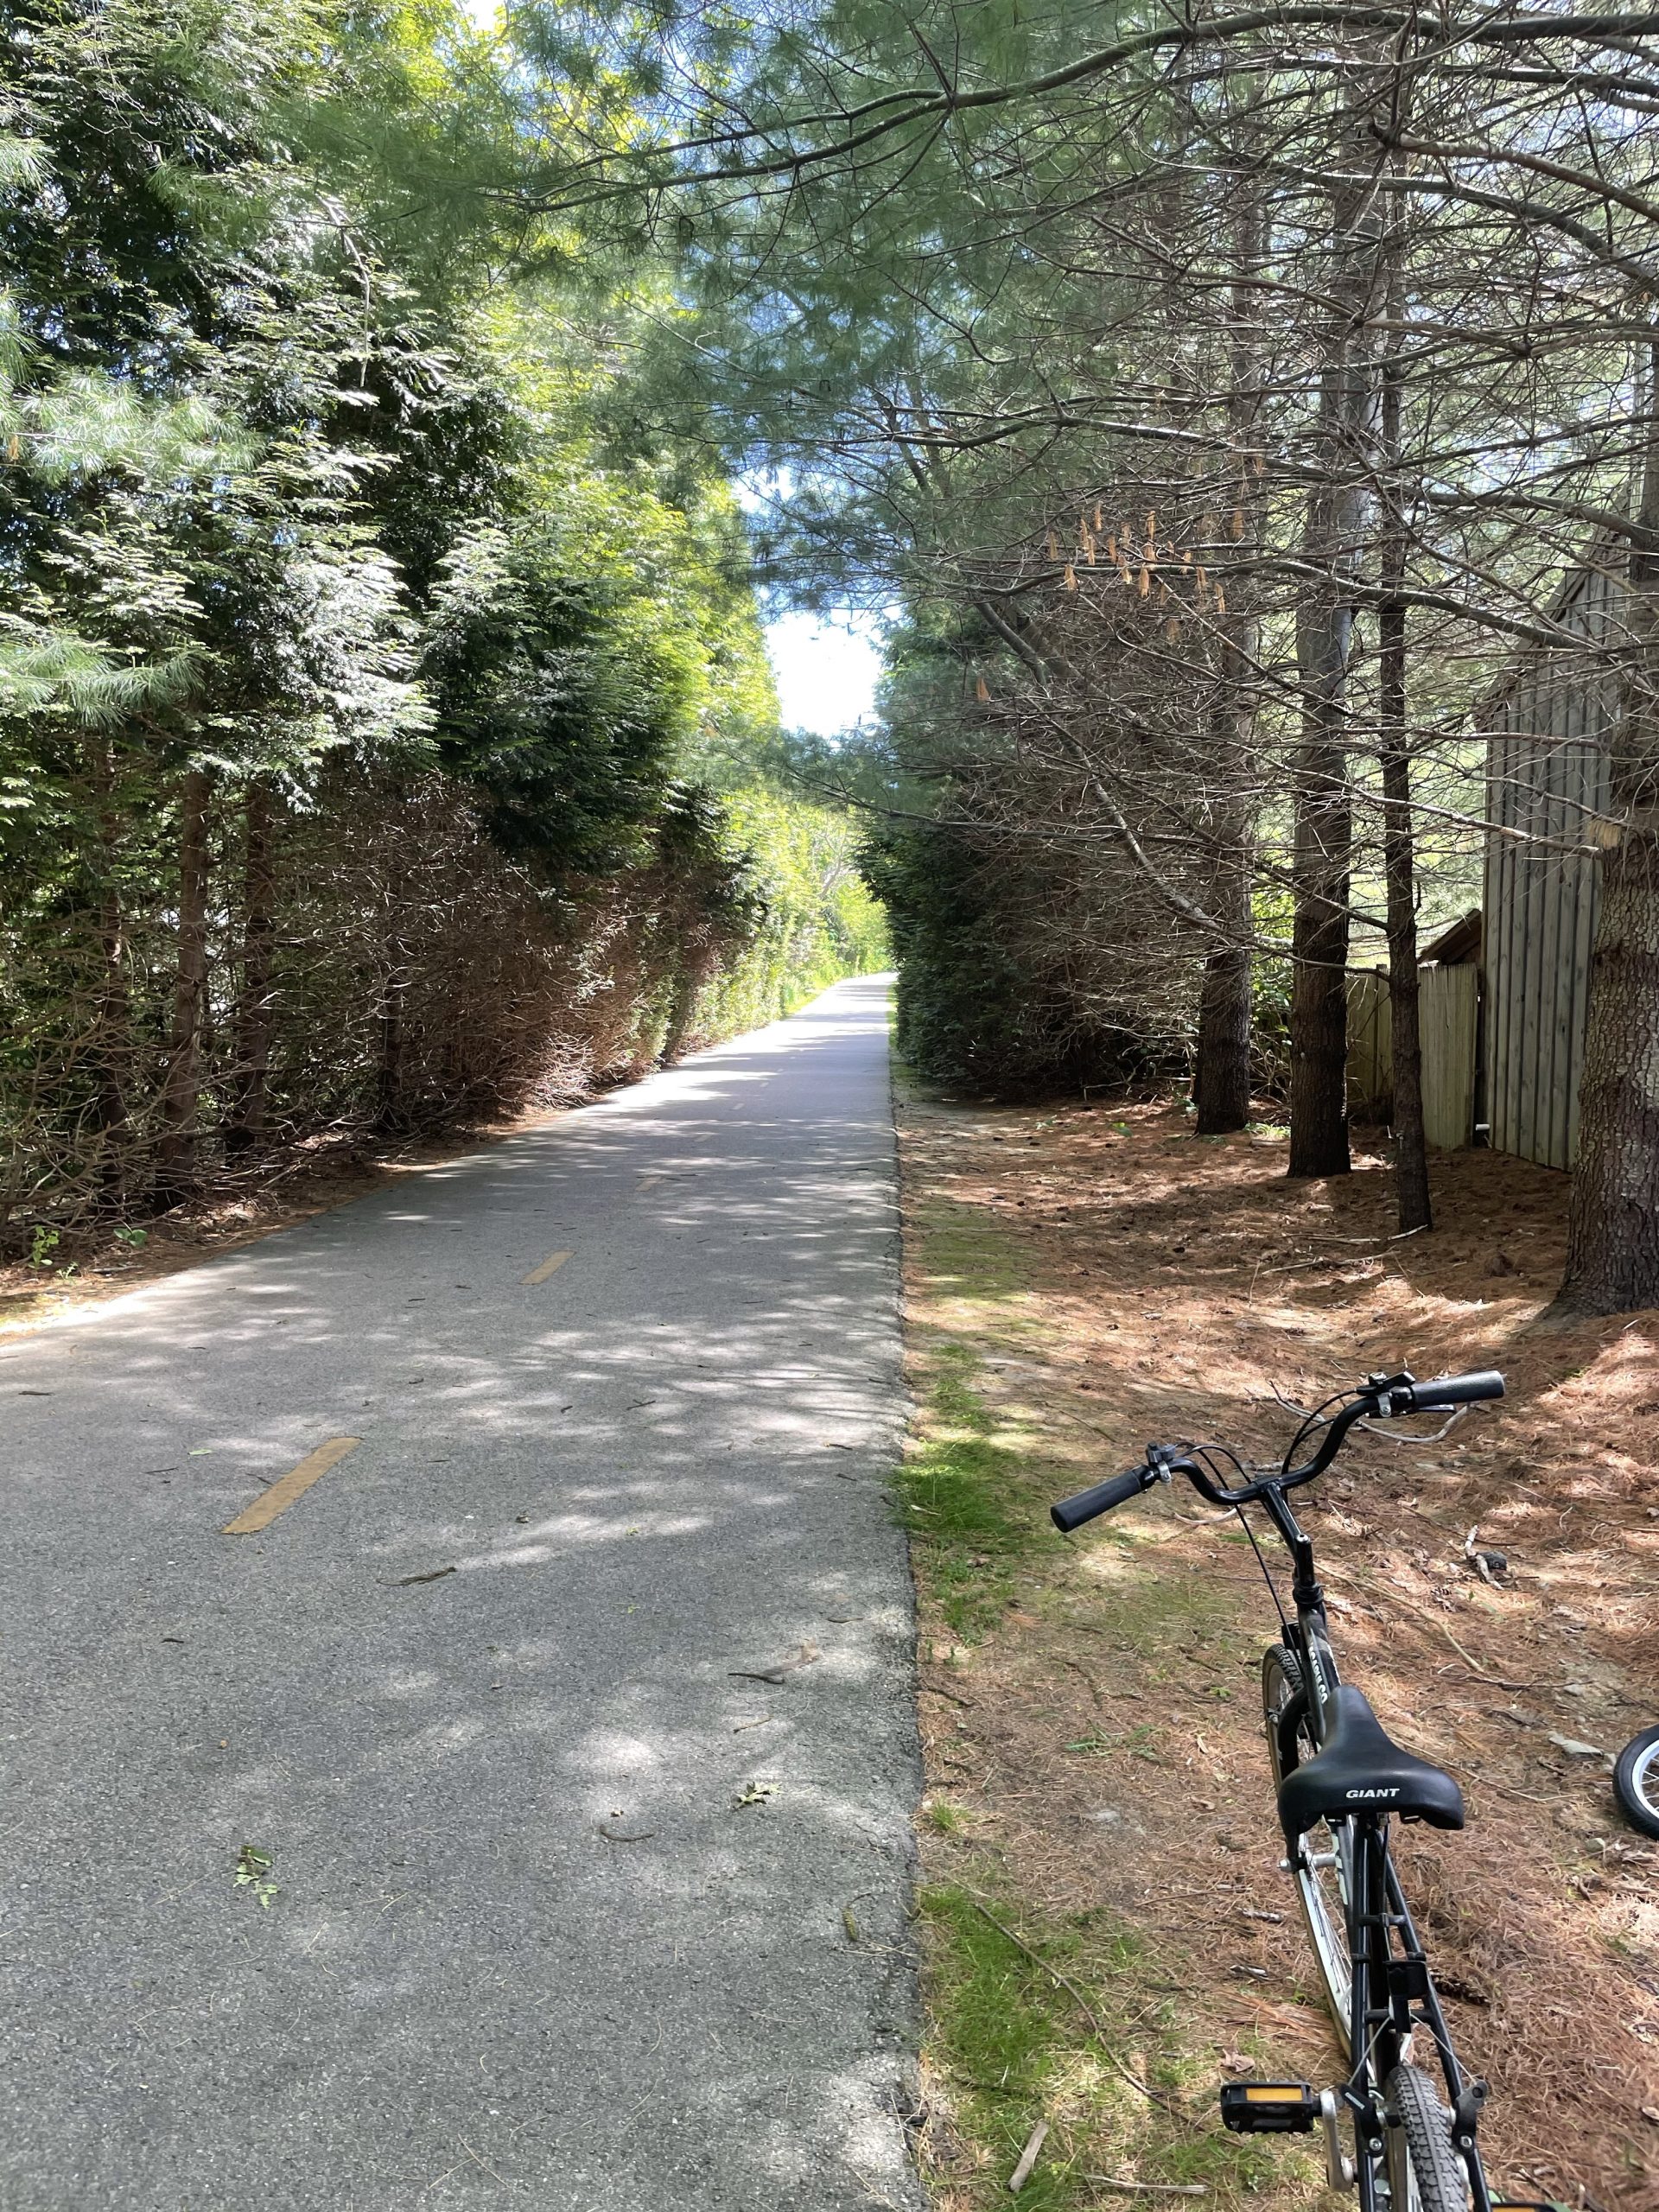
(550, 1266)
(295, 1484)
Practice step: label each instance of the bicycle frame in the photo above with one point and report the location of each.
(1390, 1969)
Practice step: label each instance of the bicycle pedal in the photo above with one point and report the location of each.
(1269, 2108)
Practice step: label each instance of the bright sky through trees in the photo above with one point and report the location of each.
(826, 669)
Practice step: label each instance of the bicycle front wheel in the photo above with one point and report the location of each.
(1323, 1869)
(1425, 2172)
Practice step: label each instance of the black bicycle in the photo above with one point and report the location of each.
(1407, 2142)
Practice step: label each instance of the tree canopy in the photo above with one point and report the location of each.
(376, 701)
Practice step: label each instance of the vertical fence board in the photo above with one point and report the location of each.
(1496, 921)
(1450, 1002)
(1370, 1045)
(1547, 778)
(1527, 704)
(1544, 880)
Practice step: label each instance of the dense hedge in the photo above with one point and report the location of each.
(384, 706)
(982, 1000)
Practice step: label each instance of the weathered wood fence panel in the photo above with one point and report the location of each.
(1448, 1017)
(1546, 787)
(1448, 1022)
(1370, 1045)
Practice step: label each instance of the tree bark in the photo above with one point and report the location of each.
(247, 1127)
(1220, 1084)
(1332, 539)
(1612, 1254)
(181, 1083)
(1612, 1251)
(1410, 1143)
(112, 1052)
(1221, 1088)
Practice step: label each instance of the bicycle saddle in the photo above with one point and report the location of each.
(1361, 1771)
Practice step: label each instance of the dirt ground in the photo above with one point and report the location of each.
(1103, 1278)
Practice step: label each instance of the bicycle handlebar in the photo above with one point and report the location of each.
(1381, 1397)
(1072, 1512)
(1455, 1391)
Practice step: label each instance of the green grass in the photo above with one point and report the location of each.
(963, 1258)
(1009, 2045)
(1007, 2035)
(969, 1498)
(1019, 2047)
(1163, 1620)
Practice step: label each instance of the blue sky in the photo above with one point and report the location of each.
(827, 670)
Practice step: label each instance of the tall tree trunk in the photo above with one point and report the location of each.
(1221, 1087)
(1332, 539)
(389, 1108)
(1319, 994)
(1411, 1153)
(1221, 1090)
(1410, 1145)
(111, 1049)
(181, 1083)
(247, 1128)
(1613, 1251)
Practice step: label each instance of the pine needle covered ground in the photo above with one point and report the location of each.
(1107, 1932)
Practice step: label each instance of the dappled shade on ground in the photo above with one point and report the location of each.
(579, 1895)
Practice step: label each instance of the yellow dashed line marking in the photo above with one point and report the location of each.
(295, 1484)
(550, 1266)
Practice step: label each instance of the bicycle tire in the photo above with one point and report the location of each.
(1424, 2173)
(1322, 1878)
(1635, 1782)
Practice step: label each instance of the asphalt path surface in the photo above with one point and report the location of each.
(561, 1727)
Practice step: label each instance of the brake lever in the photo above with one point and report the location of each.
(1373, 1424)
(1412, 1436)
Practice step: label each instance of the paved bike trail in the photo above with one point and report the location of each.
(526, 1946)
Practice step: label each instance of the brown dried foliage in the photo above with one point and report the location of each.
(409, 978)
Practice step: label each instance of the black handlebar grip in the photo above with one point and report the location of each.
(1455, 1391)
(1072, 1512)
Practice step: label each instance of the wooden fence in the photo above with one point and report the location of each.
(1370, 1045)
(1546, 729)
(1448, 1017)
(1547, 788)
